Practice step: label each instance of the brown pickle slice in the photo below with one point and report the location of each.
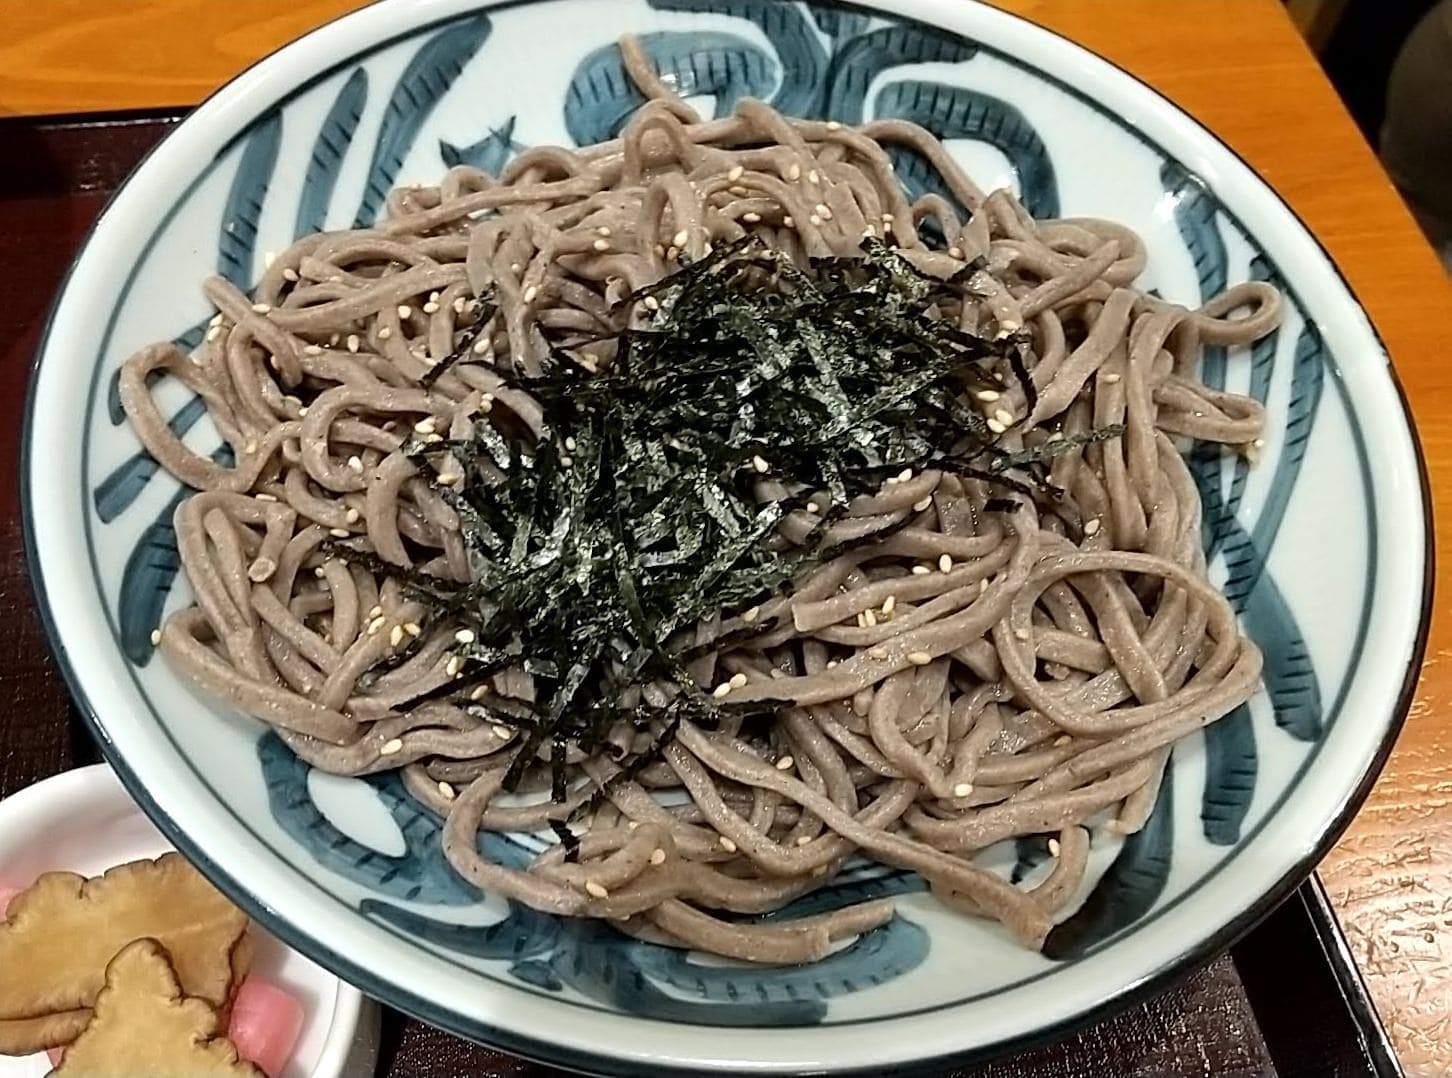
(145, 1024)
(60, 935)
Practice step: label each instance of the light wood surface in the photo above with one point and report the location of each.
(1237, 65)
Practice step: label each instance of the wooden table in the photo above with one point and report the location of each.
(1237, 65)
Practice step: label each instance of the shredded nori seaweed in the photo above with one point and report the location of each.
(597, 549)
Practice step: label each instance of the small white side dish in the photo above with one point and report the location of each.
(83, 821)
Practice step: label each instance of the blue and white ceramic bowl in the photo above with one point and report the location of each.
(1322, 547)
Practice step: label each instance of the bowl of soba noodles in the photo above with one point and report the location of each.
(681, 536)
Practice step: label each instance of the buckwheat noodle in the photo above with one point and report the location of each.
(957, 677)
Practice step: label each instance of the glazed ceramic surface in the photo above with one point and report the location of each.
(1321, 547)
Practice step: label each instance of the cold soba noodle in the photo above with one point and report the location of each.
(954, 661)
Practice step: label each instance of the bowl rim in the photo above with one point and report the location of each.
(642, 1061)
(72, 791)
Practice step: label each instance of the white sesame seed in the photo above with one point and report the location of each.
(531, 293)
(921, 570)
(601, 245)
(963, 789)
(955, 252)
(155, 637)
(352, 515)
(391, 747)
(481, 346)
(728, 845)
(833, 125)
(477, 692)
(869, 619)
(459, 304)
(735, 174)
(996, 427)
(214, 333)
(570, 444)
(988, 396)
(794, 172)
(831, 663)
(788, 221)
(250, 447)
(759, 463)
(395, 635)
(815, 220)
(1092, 527)
(681, 238)
(603, 230)
(877, 653)
(651, 303)
(804, 840)
(412, 628)
(824, 211)
(1111, 379)
(721, 690)
(657, 857)
(503, 732)
(356, 463)
(595, 890)
(814, 176)
(738, 680)
(751, 218)
(352, 342)
(672, 254)
(290, 274)
(303, 411)
(1259, 443)
(453, 666)
(889, 604)
(318, 572)
(1004, 416)
(376, 626)
(945, 563)
(813, 507)
(448, 479)
(1022, 634)
(464, 636)
(904, 475)
(446, 791)
(431, 307)
(887, 218)
(425, 426)
(1054, 847)
(265, 497)
(405, 311)
(566, 461)
(786, 763)
(924, 505)
(384, 333)
(375, 612)
(1061, 741)
(919, 658)
(262, 308)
